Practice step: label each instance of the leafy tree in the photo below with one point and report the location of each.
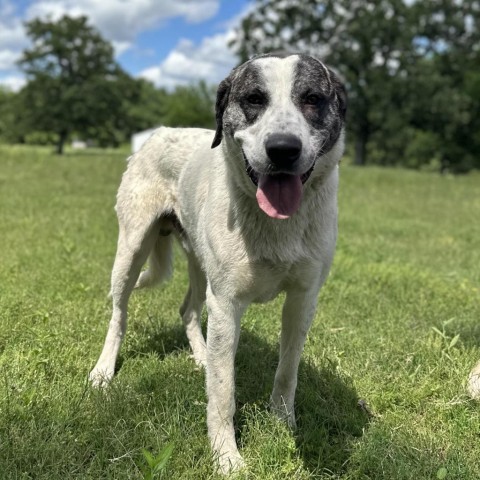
(442, 113)
(148, 109)
(448, 81)
(74, 84)
(7, 117)
(185, 106)
(190, 106)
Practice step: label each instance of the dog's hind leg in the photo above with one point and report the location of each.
(191, 311)
(134, 245)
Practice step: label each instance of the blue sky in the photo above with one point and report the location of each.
(168, 42)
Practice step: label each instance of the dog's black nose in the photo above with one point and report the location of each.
(283, 149)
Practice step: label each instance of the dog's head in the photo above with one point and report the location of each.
(286, 113)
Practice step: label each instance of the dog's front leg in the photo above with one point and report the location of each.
(222, 339)
(298, 312)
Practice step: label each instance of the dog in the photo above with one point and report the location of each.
(255, 217)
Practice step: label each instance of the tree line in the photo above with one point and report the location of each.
(411, 70)
(76, 89)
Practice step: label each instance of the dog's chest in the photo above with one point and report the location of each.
(261, 281)
(256, 265)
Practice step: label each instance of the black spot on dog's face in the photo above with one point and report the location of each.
(321, 98)
(248, 100)
(312, 90)
(251, 93)
(245, 96)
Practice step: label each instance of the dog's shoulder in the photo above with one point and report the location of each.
(167, 144)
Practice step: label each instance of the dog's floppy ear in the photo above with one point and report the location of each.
(220, 105)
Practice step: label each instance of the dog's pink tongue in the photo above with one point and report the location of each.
(279, 196)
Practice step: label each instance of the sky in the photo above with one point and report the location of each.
(169, 42)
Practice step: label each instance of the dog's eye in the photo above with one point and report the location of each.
(313, 99)
(255, 99)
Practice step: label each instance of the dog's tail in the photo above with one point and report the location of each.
(160, 263)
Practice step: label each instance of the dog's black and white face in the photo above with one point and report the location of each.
(286, 113)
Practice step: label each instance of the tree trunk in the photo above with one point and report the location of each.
(444, 165)
(361, 150)
(62, 137)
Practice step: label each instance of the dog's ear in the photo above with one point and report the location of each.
(221, 103)
(340, 92)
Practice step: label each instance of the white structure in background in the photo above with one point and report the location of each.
(79, 144)
(138, 139)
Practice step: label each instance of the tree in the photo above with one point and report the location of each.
(7, 118)
(448, 80)
(148, 109)
(74, 83)
(185, 106)
(190, 106)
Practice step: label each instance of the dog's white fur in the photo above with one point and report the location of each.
(236, 253)
(473, 385)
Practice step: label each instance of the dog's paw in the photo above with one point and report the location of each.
(100, 377)
(201, 363)
(224, 448)
(230, 462)
(283, 413)
(200, 355)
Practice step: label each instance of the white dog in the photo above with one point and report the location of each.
(255, 217)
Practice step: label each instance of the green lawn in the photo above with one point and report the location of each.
(398, 330)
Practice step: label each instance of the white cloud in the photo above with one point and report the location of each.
(211, 61)
(12, 33)
(8, 59)
(119, 47)
(12, 82)
(13, 38)
(121, 21)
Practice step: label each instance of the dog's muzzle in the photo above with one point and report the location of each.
(279, 193)
(283, 150)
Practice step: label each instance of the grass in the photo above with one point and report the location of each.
(398, 330)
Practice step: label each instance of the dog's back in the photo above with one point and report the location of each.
(151, 178)
(165, 153)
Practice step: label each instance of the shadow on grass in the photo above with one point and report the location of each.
(328, 416)
(156, 338)
(326, 404)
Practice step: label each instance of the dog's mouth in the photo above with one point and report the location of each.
(253, 175)
(279, 195)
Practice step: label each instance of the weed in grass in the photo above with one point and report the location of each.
(156, 464)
